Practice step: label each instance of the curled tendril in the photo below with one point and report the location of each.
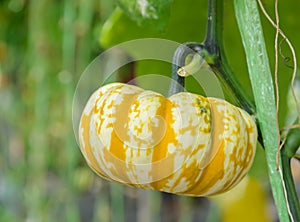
(286, 59)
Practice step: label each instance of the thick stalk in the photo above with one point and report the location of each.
(248, 19)
(292, 195)
(292, 142)
(68, 54)
(215, 56)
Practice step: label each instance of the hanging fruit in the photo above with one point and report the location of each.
(185, 144)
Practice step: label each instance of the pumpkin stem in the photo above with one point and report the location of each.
(180, 55)
(197, 62)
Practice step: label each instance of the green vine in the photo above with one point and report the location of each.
(248, 19)
(288, 151)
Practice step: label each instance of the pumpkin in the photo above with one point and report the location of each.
(185, 144)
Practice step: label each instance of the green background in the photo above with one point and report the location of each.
(44, 48)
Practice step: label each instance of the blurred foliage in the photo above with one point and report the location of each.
(44, 48)
(152, 13)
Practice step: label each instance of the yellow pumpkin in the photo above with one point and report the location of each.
(185, 144)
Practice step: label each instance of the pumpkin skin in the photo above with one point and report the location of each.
(185, 144)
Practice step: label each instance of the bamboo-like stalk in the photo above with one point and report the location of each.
(248, 19)
(68, 65)
(38, 145)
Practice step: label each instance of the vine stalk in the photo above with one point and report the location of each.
(288, 151)
(281, 180)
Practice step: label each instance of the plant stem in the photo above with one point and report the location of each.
(216, 58)
(177, 84)
(288, 151)
(214, 27)
(249, 24)
(68, 65)
(292, 195)
(292, 142)
(39, 89)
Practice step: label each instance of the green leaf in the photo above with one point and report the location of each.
(187, 22)
(152, 13)
(120, 28)
(248, 19)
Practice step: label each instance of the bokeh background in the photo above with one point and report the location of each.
(44, 48)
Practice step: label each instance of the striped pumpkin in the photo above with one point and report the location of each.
(185, 144)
